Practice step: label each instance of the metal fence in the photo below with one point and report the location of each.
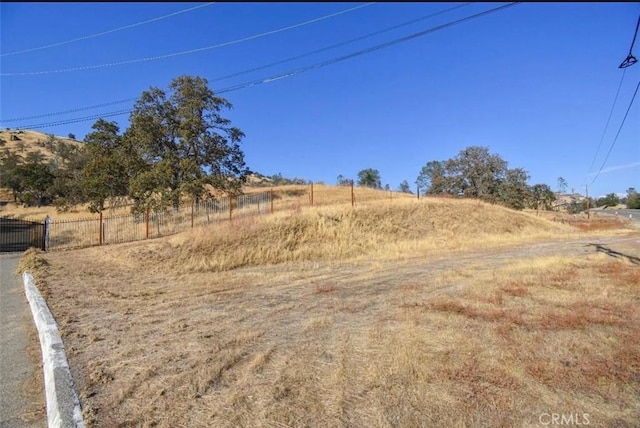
(118, 229)
(18, 235)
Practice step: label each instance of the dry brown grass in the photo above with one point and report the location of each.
(378, 230)
(298, 196)
(30, 141)
(324, 344)
(286, 198)
(416, 313)
(595, 221)
(600, 223)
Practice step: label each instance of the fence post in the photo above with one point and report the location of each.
(230, 205)
(352, 196)
(101, 229)
(146, 220)
(193, 202)
(311, 194)
(45, 235)
(271, 199)
(418, 190)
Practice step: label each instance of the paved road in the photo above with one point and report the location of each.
(633, 214)
(21, 402)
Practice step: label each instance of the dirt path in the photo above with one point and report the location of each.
(393, 273)
(351, 285)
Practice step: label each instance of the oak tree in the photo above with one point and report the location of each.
(370, 178)
(185, 143)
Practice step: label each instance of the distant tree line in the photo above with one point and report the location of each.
(277, 180)
(473, 173)
(370, 177)
(477, 173)
(177, 144)
(631, 200)
(34, 180)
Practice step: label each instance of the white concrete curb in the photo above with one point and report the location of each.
(63, 406)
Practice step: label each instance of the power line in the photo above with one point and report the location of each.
(76, 120)
(618, 133)
(369, 50)
(615, 100)
(375, 33)
(102, 33)
(191, 51)
(18, 119)
(75, 110)
(320, 64)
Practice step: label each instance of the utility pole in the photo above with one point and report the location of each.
(586, 186)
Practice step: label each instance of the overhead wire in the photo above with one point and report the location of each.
(606, 126)
(191, 51)
(75, 110)
(617, 134)
(319, 64)
(76, 120)
(366, 36)
(629, 61)
(369, 50)
(103, 33)
(375, 33)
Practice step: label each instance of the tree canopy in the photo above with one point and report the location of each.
(404, 187)
(185, 143)
(633, 198)
(370, 178)
(608, 201)
(110, 166)
(177, 144)
(477, 173)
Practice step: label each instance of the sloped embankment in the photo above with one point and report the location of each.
(378, 230)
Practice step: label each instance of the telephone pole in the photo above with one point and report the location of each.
(586, 186)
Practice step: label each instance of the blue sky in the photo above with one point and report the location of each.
(534, 82)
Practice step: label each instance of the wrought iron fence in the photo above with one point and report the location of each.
(19, 235)
(118, 229)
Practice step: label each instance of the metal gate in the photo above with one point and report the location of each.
(19, 235)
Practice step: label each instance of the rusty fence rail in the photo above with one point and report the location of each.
(118, 229)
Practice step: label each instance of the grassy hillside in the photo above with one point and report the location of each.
(24, 142)
(375, 230)
(284, 198)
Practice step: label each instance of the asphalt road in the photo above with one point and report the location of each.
(18, 397)
(633, 214)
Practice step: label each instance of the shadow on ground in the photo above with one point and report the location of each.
(612, 253)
